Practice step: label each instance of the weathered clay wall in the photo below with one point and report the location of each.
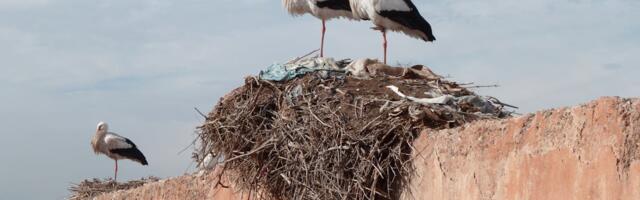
(585, 152)
(183, 187)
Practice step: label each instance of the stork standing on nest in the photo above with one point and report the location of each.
(322, 9)
(115, 147)
(395, 15)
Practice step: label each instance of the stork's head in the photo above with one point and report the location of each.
(102, 126)
(296, 7)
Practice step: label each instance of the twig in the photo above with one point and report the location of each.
(192, 143)
(304, 56)
(484, 86)
(265, 144)
(372, 195)
(313, 114)
(201, 114)
(500, 102)
(224, 167)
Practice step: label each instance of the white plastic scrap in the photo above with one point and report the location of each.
(481, 103)
(210, 161)
(358, 68)
(433, 93)
(288, 71)
(315, 64)
(444, 99)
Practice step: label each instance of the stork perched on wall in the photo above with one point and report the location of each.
(322, 9)
(115, 147)
(395, 15)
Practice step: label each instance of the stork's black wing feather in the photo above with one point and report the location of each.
(335, 4)
(411, 19)
(132, 153)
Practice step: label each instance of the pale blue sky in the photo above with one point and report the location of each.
(143, 65)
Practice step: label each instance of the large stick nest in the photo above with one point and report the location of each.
(336, 137)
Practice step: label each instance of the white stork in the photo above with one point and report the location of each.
(322, 9)
(115, 147)
(395, 15)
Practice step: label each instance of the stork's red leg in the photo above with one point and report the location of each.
(115, 176)
(384, 44)
(324, 29)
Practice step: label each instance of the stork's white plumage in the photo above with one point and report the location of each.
(115, 147)
(322, 9)
(395, 15)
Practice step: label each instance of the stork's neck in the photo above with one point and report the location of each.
(101, 133)
(96, 142)
(296, 7)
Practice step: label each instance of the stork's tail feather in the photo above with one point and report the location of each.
(132, 154)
